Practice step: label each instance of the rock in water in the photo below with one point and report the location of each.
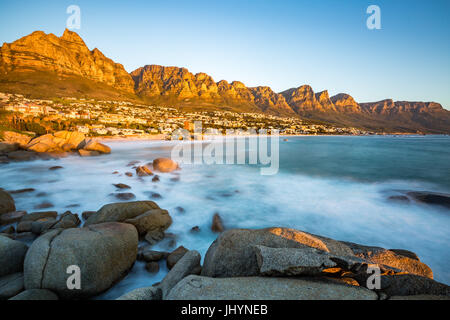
(233, 254)
(217, 224)
(11, 217)
(257, 288)
(164, 165)
(104, 253)
(12, 255)
(184, 267)
(175, 256)
(152, 220)
(92, 145)
(119, 212)
(441, 199)
(143, 171)
(6, 202)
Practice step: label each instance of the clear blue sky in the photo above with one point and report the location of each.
(282, 44)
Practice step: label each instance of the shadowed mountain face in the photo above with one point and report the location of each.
(45, 65)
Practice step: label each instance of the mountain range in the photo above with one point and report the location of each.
(44, 65)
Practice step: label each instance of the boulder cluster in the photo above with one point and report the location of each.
(272, 263)
(20, 147)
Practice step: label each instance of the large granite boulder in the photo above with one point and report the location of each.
(92, 145)
(60, 141)
(164, 165)
(403, 260)
(6, 202)
(152, 220)
(104, 253)
(233, 254)
(184, 267)
(261, 288)
(12, 255)
(11, 285)
(119, 212)
(16, 138)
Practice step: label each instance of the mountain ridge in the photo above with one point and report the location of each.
(64, 65)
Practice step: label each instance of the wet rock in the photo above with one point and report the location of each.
(115, 172)
(217, 224)
(11, 217)
(143, 171)
(34, 216)
(155, 178)
(125, 196)
(25, 236)
(164, 165)
(153, 237)
(24, 226)
(147, 293)
(86, 214)
(405, 253)
(175, 256)
(233, 254)
(410, 285)
(132, 163)
(150, 221)
(175, 179)
(11, 285)
(103, 252)
(195, 229)
(119, 212)
(44, 205)
(20, 191)
(42, 225)
(186, 265)
(128, 174)
(55, 168)
(399, 198)
(263, 288)
(122, 186)
(86, 153)
(94, 146)
(67, 220)
(180, 209)
(8, 147)
(9, 230)
(148, 255)
(152, 267)
(36, 295)
(154, 195)
(23, 155)
(12, 255)
(434, 198)
(6, 202)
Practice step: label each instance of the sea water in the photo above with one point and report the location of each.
(334, 186)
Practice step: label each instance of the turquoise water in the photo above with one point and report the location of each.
(332, 186)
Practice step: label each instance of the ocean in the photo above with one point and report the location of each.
(334, 186)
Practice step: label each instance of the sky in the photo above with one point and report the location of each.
(281, 44)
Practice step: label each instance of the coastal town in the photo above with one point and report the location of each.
(122, 118)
